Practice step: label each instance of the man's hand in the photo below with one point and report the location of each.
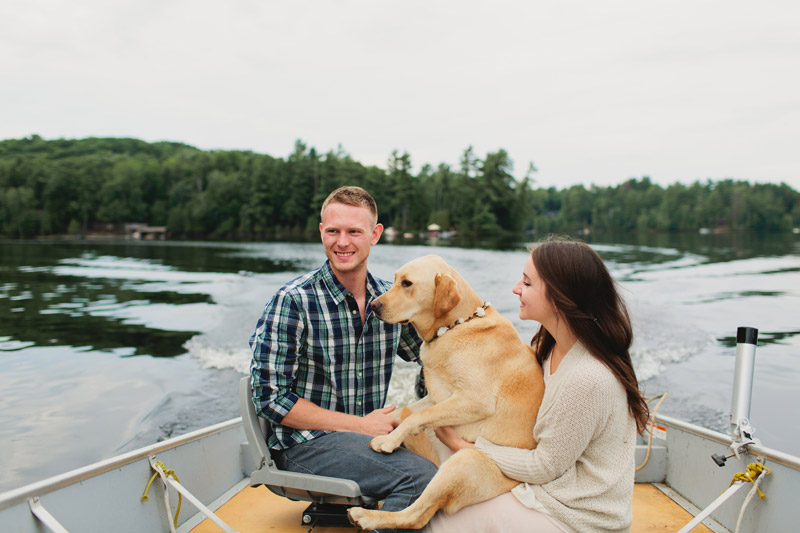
(378, 422)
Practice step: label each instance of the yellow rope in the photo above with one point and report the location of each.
(749, 476)
(167, 472)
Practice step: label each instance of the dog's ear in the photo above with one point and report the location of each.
(446, 296)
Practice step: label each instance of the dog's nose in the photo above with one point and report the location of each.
(376, 305)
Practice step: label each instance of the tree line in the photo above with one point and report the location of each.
(52, 187)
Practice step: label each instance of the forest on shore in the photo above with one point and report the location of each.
(82, 186)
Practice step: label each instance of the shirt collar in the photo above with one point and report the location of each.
(338, 291)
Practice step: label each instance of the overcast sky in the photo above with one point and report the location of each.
(592, 92)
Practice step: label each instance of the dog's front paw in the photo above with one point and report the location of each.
(384, 443)
(362, 518)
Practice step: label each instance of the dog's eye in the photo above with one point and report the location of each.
(405, 283)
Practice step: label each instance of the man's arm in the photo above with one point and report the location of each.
(276, 341)
(307, 415)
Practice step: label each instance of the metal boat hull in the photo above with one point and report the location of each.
(213, 465)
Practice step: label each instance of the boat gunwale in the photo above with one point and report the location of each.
(39, 488)
(779, 457)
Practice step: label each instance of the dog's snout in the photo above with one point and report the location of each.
(376, 305)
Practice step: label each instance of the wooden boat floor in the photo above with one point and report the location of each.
(655, 511)
(257, 510)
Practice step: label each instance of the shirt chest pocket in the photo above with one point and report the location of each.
(329, 349)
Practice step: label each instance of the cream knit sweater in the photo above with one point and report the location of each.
(582, 469)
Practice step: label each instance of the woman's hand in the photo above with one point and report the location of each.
(451, 439)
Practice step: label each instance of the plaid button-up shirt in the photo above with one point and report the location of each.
(309, 343)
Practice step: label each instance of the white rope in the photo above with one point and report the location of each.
(163, 477)
(708, 510)
(651, 422)
(44, 516)
(189, 496)
(749, 497)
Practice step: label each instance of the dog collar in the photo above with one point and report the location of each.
(479, 312)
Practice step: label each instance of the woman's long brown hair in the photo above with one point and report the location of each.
(585, 295)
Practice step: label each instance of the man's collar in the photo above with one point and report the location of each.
(335, 288)
(338, 291)
(372, 287)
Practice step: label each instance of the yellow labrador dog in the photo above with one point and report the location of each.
(482, 379)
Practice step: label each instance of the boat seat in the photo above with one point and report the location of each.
(320, 490)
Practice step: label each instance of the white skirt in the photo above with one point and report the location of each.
(503, 514)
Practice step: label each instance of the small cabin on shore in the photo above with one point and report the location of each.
(143, 232)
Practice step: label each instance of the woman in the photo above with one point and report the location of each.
(580, 476)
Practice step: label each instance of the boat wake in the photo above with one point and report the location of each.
(212, 355)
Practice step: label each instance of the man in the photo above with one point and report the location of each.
(322, 363)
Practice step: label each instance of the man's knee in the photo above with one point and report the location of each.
(428, 471)
(419, 473)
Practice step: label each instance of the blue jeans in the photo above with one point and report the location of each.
(397, 478)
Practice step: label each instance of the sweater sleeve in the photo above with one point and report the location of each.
(563, 432)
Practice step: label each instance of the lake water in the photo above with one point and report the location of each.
(109, 346)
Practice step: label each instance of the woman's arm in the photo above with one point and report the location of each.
(563, 432)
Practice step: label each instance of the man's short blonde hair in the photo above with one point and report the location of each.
(351, 195)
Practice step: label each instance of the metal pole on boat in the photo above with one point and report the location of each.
(741, 432)
(746, 340)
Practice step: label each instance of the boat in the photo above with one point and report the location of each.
(217, 478)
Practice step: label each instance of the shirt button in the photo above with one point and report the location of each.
(359, 403)
(359, 374)
(355, 311)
